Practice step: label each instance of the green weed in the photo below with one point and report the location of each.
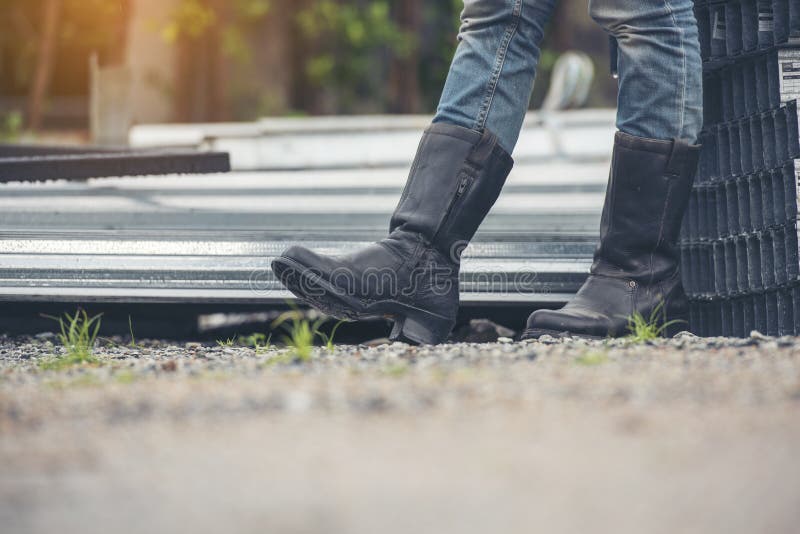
(130, 329)
(592, 358)
(230, 342)
(82, 381)
(397, 370)
(328, 338)
(648, 329)
(300, 333)
(78, 336)
(260, 342)
(11, 126)
(125, 377)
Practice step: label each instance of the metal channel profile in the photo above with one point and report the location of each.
(234, 269)
(20, 163)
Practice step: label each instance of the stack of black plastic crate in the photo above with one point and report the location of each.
(740, 237)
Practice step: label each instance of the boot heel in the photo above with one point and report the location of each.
(422, 330)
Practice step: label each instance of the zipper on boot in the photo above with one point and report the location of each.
(464, 182)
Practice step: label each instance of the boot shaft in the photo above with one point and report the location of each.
(648, 191)
(455, 180)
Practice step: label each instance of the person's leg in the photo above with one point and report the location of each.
(659, 65)
(635, 269)
(491, 78)
(460, 167)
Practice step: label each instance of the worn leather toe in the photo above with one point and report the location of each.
(574, 321)
(318, 263)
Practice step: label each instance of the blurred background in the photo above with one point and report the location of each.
(68, 65)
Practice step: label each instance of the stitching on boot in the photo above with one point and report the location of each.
(664, 212)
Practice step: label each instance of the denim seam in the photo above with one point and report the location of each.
(682, 103)
(500, 60)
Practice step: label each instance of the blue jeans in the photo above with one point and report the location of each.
(660, 72)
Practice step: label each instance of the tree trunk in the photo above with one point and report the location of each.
(44, 63)
(404, 86)
(216, 65)
(303, 95)
(184, 94)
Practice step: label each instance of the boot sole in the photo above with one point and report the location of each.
(411, 325)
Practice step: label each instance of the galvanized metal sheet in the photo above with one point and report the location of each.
(210, 238)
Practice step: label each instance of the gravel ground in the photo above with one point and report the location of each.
(681, 435)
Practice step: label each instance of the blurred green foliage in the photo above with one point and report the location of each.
(342, 41)
(192, 18)
(344, 38)
(344, 50)
(351, 44)
(11, 124)
(342, 56)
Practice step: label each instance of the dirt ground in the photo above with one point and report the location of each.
(685, 435)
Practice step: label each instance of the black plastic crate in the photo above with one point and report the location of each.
(733, 28)
(749, 11)
(765, 24)
(772, 312)
(739, 245)
(780, 21)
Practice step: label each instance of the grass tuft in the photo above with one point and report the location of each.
(230, 342)
(260, 342)
(301, 333)
(328, 338)
(78, 336)
(644, 329)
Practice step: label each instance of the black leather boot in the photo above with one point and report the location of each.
(635, 267)
(411, 276)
